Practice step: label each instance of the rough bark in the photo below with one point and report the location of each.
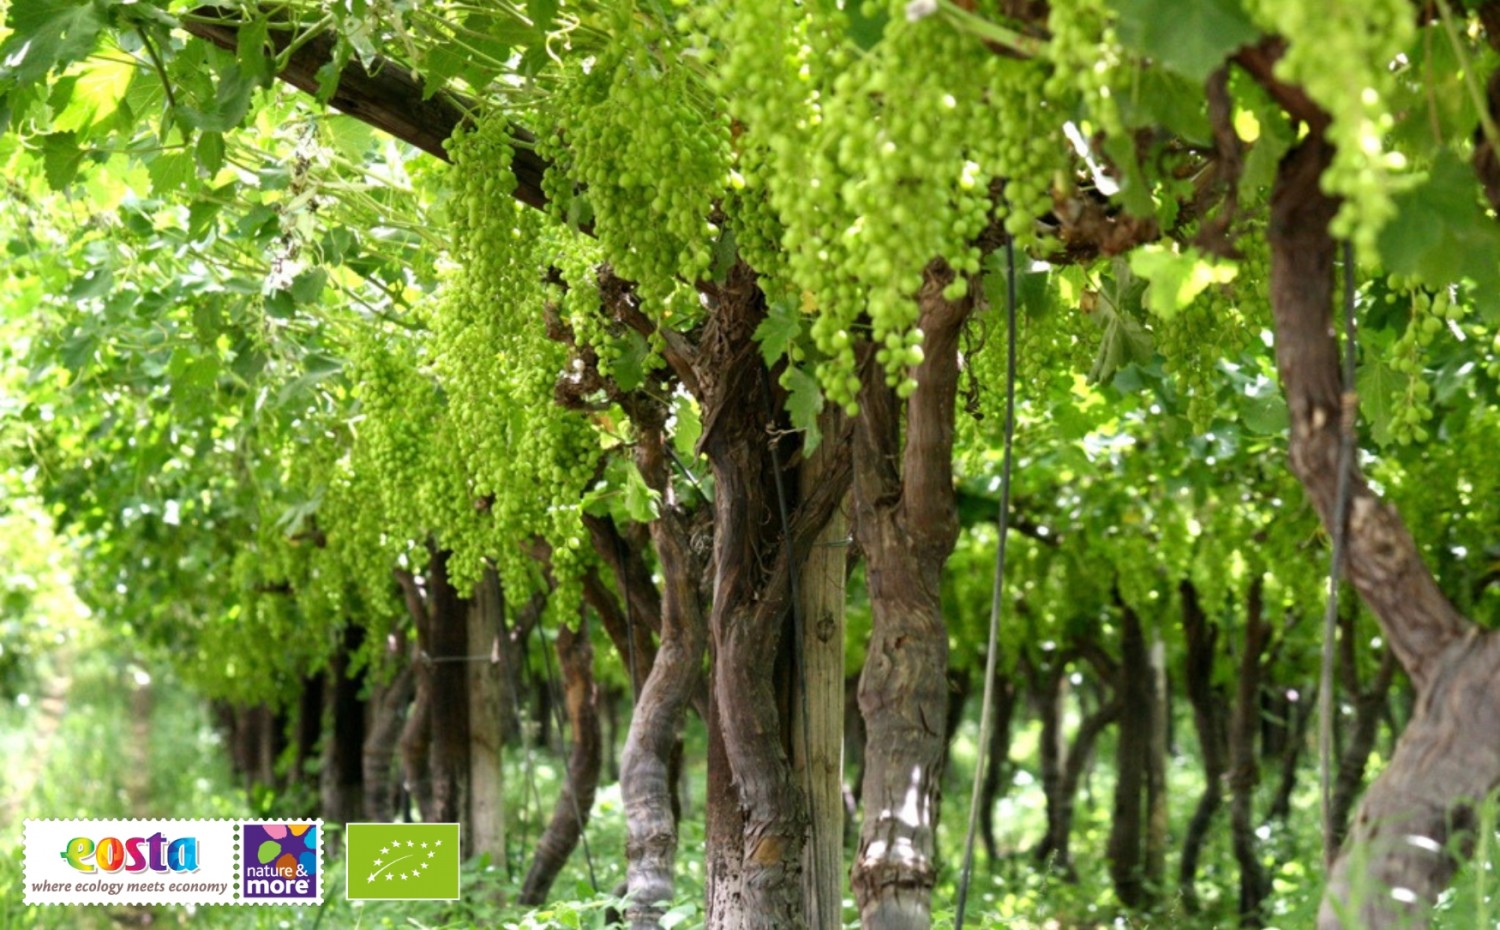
(1047, 692)
(1244, 767)
(489, 713)
(309, 727)
(609, 713)
(906, 522)
(1398, 856)
(1125, 851)
(629, 628)
(1291, 755)
(1207, 701)
(645, 762)
(450, 700)
(381, 737)
(753, 561)
(1056, 846)
(1156, 770)
(570, 815)
(854, 754)
(267, 736)
(1369, 707)
(724, 825)
(631, 639)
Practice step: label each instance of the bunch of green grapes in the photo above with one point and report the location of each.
(360, 546)
(390, 437)
(876, 164)
(1342, 52)
(1086, 57)
(641, 138)
(1211, 328)
(522, 462)
(1431, 314)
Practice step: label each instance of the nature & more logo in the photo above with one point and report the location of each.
(279, 862)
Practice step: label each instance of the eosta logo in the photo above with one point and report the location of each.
(136, 854)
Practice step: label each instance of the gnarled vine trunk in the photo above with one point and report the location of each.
(1244, 764)
(1369, 707)
(570, 815)
(1399, 852)
(381, 736)
(1126, 849)
(645, 762)
(1207, 702)
(906, 521)
(343, 766)
(449, 639)
(997, 770)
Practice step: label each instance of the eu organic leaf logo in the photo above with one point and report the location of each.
(403, 861)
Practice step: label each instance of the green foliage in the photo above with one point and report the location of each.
(256, 356)
(1192, 39)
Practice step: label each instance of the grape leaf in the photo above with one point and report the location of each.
(1263, 410)
(804, 401)
(688, 425)
(1439, 233)
(1168, 100)
(1377, 383)
(230, 104)
(641, 501)
(629, 370)
(1177, 278)
(61, 158)
(171, 173)
(45, 34)
(777, 331)
(1124, 341)
(1190, 38)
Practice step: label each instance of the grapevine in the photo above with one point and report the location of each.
(872, 176)
(1365, 38)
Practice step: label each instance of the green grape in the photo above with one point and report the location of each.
(1410, 403)
(1342, 52)
(857, 177)
(513, 464)
(651, 149)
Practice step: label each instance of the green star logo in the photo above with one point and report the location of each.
(402, 861)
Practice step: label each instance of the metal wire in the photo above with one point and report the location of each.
(985, 723)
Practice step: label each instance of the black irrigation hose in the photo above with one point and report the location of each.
(967, 872)
(1349, 410)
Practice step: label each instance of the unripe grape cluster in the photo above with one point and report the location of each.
(1192, 342)
(1431, 314)
(637, 146)
(525, 461)
(873, 175)
(1343, 52)
(1085, 57)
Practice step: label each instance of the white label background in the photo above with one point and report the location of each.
(47, 839)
